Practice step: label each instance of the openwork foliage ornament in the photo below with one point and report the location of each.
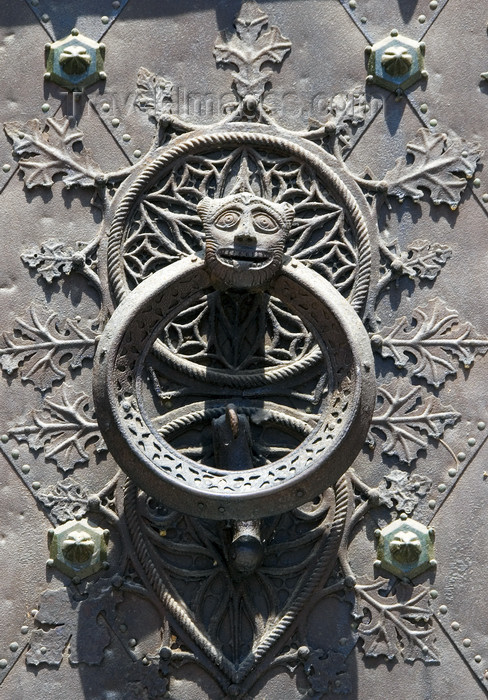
(241, 274)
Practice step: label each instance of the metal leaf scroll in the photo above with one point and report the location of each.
(250, 49)
(51, 260)
(153, 94)
(47, 153)
(425, 260)
(436, 339)
(403, 491)
(394, 624)
(39, 348)
(407, 418)
(441, 164)
(63, 429)
(66, 500)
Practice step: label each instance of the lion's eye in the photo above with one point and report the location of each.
(228, 220)
(264, 222)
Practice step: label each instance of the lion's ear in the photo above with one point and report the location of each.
(288, 212)
(204, 207)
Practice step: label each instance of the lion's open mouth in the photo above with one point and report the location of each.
(252, 256)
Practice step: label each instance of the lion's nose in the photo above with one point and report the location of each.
(245, 234)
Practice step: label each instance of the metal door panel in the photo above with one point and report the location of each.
(344, 617)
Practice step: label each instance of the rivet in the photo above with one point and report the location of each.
(443, 609)
(145, 661)
(433, 562)
(471, 442)
(132, 642)
(13, 646)
(105, 19)
(36, 485)
(452, 471)
(461, 456)
(434, 594)
(126, 137)
(4, 438)
(3, 663)
(24, 629)
(300, 493)
(403, 516)
(35, 3)
(455, 626)
(34, 612)
(116, 4)
(105, 107)
(433, 5)
(75, 31)
(76, 580)
(123, 627)
(476, 182)
(352, 4)
(43, 650)
(350, 581)
(441, 488)
(477, 658)
(467, 642)
(102, 75)
(115, 122)
(363, 20)
(433, 122)
(15, 454)
(46, 107)
(137, 153)
(47, 75)
(45, 18)
(50, 562)
(394, 32)
(485, 198)
(432, 504)
(6, 168)
(201, 506)
(423, 108)
(481, 425)
(221, 509)
(422, 19)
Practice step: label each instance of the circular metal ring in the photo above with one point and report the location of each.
(159, 469)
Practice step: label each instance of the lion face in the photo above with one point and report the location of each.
(245, 237)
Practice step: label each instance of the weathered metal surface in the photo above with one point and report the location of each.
(246, 219)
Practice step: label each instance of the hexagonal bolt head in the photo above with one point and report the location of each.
(396, 63)
(77, 548)
(397, 60)
(405, 548)
(75, 61)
